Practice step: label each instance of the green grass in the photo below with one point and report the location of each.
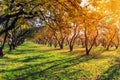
(37, 62)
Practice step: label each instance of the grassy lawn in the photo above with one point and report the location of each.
(37, 62)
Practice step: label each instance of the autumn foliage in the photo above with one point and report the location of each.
(61, 22)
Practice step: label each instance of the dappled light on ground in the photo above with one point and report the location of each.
(37, 62)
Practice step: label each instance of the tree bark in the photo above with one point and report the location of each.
(1, 48)
(71, 47)
(61, 46)
(1, 52)
(55, 45)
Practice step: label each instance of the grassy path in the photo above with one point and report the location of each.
(36, 62)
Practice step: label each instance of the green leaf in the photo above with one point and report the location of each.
(107, 20)
(6, 11)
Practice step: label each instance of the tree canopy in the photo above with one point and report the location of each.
(70, 22)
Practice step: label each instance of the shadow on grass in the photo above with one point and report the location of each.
(53, 69)
(30, 51)
(28, 59)
(113, 73)
(48, 69)
(79, 52)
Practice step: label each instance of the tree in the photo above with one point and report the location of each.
(74, 32)
(91, 29)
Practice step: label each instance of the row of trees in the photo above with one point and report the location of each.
(87, 26)
(16, 19)
(87, 37)
(65, 22)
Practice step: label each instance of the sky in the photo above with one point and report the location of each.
(84, 3)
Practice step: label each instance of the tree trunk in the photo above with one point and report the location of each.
(87, 52)
(116, 46)
(71, 47)
(107, 48)
(61, 46)
(1, 52)
(50, 44)
(86, 42)
(1, 48)
(10, 47)
(55, 45)
(13, 47)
